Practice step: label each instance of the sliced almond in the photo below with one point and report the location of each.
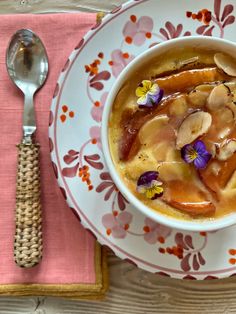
(199, 95)
(226, 150)
(197, 98)
(205, 88)
(219, 97)
(179, 106)
(193, 126)
(150, 131)
(225, 63)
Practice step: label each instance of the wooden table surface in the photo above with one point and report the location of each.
(132, 291)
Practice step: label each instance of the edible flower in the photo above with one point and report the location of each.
(149, 93)
(196, 154)
(149, 185)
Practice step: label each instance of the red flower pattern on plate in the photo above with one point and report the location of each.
(118, 61)
(95, 81)
(95, 134)
(108, 184)
(216, 19)
(97, 109)
(75, 167)
(137, 31)
(71, 170)
(117, 224)
(66, 113)
(192, 258)
(170, 31)
(232, 259)
(155, 232)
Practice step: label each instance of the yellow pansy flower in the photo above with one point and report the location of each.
(148, 93)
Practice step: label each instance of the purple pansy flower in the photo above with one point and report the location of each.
(196, 153)
(149, 94)
(149, 185)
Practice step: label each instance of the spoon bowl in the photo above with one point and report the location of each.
(27, 61)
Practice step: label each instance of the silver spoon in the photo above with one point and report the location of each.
(27, 65)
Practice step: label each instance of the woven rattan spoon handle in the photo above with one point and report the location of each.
(28, 234)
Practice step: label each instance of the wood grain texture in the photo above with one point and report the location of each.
(132, 291)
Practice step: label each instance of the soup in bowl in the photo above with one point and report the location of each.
(169, 133)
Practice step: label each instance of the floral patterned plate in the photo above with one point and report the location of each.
(74, 133)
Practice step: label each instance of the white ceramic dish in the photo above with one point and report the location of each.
(217, 44)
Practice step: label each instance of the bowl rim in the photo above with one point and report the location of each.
(187, 225)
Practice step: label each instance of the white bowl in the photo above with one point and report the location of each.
(191, 225)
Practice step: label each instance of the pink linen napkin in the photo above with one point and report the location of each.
(69, 251)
